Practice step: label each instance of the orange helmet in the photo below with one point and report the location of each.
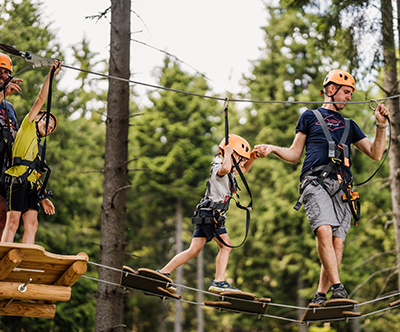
(5, 62)
(340, 77)
(238, 144)
(43, 114)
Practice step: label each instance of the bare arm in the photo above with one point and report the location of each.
(226, 163)
(42, 96)
(375, 149)
(291, 155)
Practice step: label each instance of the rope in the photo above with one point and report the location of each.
(222, 98)
(378, 299)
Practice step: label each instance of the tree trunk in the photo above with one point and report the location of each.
(301, 302)
(200, 285)
(109, 309)
(391, 88)
(179, 271)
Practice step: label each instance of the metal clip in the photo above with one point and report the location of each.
(226, 103)
(373, 101)
(38, 61)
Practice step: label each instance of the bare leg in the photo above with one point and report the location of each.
(3, 214)
(330, 253)
(11, 228)
(30, 226)
(222, 257)
(195, 247)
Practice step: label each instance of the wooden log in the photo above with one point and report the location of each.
(24, 309)
(9, 290)
(70, 276)
(11, 260)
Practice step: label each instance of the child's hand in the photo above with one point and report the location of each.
(228, 150)
(48, 206)
(57, 65)
(255, 154)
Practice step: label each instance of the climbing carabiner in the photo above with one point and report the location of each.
(226, 103)
(373, 101)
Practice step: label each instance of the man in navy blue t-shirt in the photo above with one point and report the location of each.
(7, 111)
(329, 216)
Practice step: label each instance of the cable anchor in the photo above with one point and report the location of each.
(23, 287)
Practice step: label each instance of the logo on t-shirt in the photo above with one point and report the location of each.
(333, 123)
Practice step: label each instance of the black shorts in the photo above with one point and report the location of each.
(206, 230)
(22, 197)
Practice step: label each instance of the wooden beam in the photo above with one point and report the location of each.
(11, 260)
(70, 276)
(9, 290)
(24, 309)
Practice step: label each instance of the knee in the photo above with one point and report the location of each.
(193, 251)
(31, 225)
(226, 249)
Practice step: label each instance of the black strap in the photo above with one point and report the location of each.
(384, 159)
(43, 156)
(332, 148)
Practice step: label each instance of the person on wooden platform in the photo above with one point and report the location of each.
(22, 179)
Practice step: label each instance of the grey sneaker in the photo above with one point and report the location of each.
(221, 286)
(319, 299)
(339, 292)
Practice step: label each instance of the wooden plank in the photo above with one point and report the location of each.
(148, 282)
(392, 304)
(75, 271)
(241, 302)
(331, 310)
(11, 260)
(9, 290)
(43, 267)
(17, 308)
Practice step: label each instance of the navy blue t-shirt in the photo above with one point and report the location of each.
(12, 116)
(316, 143)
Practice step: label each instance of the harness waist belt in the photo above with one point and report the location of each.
(202, 220)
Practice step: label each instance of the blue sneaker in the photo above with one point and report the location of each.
(165, 274)
(221, 286)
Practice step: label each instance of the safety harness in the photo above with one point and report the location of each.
(215, 214)
(335, 166)
(6, 139)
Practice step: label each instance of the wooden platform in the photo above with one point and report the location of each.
(30, 273)
(336, 309)
(240, 302)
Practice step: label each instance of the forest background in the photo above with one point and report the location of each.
(171, 145)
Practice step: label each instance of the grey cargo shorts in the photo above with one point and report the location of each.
(322, 209)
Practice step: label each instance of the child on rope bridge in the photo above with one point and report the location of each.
(210, 212)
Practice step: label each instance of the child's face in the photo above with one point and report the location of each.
(239, 159)
(42, 125)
